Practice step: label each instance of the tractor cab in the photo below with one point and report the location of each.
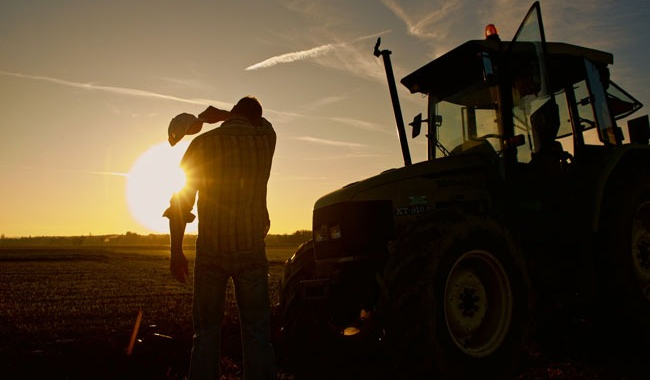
(527, 100)
(546, 111)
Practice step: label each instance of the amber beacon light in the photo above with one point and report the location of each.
(491, 32)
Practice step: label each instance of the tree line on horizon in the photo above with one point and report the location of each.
(132, 238)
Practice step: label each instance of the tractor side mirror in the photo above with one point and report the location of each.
(417, 125)
(639, 130)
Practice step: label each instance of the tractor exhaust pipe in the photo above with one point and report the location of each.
(385, 54)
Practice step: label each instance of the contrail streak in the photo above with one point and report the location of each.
(292, 57)
(111, 89)
(306, 54)
(102, 173)
(94, 172)
(329, 142)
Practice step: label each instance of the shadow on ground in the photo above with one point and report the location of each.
(570, 352)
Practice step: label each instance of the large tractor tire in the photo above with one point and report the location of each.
(298, 321)
(456, 299)
(307, 339)
(301, 266)
(625, 261)
(313, 345)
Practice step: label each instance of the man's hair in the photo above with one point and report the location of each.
(249, 107)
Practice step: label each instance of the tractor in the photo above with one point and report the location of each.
(531, 199)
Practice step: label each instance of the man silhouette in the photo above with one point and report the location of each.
(229, 168)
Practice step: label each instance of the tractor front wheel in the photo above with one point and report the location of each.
(456, 298)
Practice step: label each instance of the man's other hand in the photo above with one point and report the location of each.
(178, 266)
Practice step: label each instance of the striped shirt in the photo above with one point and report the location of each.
(229, 167)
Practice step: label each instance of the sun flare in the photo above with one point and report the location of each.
(152, 180)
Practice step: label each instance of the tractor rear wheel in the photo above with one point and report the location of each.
(625, 262)
(456, 298)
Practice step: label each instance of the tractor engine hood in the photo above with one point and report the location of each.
(395, 183)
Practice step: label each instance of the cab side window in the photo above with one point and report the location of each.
(524, 124)
(603, 118)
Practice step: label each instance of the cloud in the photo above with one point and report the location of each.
(325, 101)
(426, 24)
(280, 116)
(93, 172)
(345, 157)
(359, 124)
(113, 89)
(445, 24)
(186, 83)
(316, 140)
(292, 57)
(309, 53)
(292, 178)
(118, 174)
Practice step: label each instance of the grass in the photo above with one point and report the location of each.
(61, 302)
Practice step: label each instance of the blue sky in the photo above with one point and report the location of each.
(87, 86)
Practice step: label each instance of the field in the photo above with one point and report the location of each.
(68, 313)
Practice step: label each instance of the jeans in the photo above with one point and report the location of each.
(249, 271)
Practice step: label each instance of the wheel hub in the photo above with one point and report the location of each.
(469, 302)
(478, 303)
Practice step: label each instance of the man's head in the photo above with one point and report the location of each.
(249, 107)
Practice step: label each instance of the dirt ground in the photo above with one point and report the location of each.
(84, 333)
(157, 356)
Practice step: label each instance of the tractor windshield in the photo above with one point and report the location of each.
(467, 119)
(463, 98)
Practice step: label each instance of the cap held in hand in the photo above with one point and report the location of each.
(181, 125)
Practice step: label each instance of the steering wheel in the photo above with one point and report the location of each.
(592, 124)
(566, 159)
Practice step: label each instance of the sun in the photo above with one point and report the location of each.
(152, 180)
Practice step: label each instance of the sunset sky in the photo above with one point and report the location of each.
(87, 87)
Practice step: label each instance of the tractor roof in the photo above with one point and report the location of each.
(464, 65)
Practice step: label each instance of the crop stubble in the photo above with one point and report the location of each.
(51, 297)
(69, 313)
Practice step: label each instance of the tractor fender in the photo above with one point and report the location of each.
(630, 157)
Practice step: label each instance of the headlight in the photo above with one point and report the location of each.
(335, 232)
(321, 234)
(325, 233)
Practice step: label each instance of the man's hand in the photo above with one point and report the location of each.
(213, 115)
(178, 266)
